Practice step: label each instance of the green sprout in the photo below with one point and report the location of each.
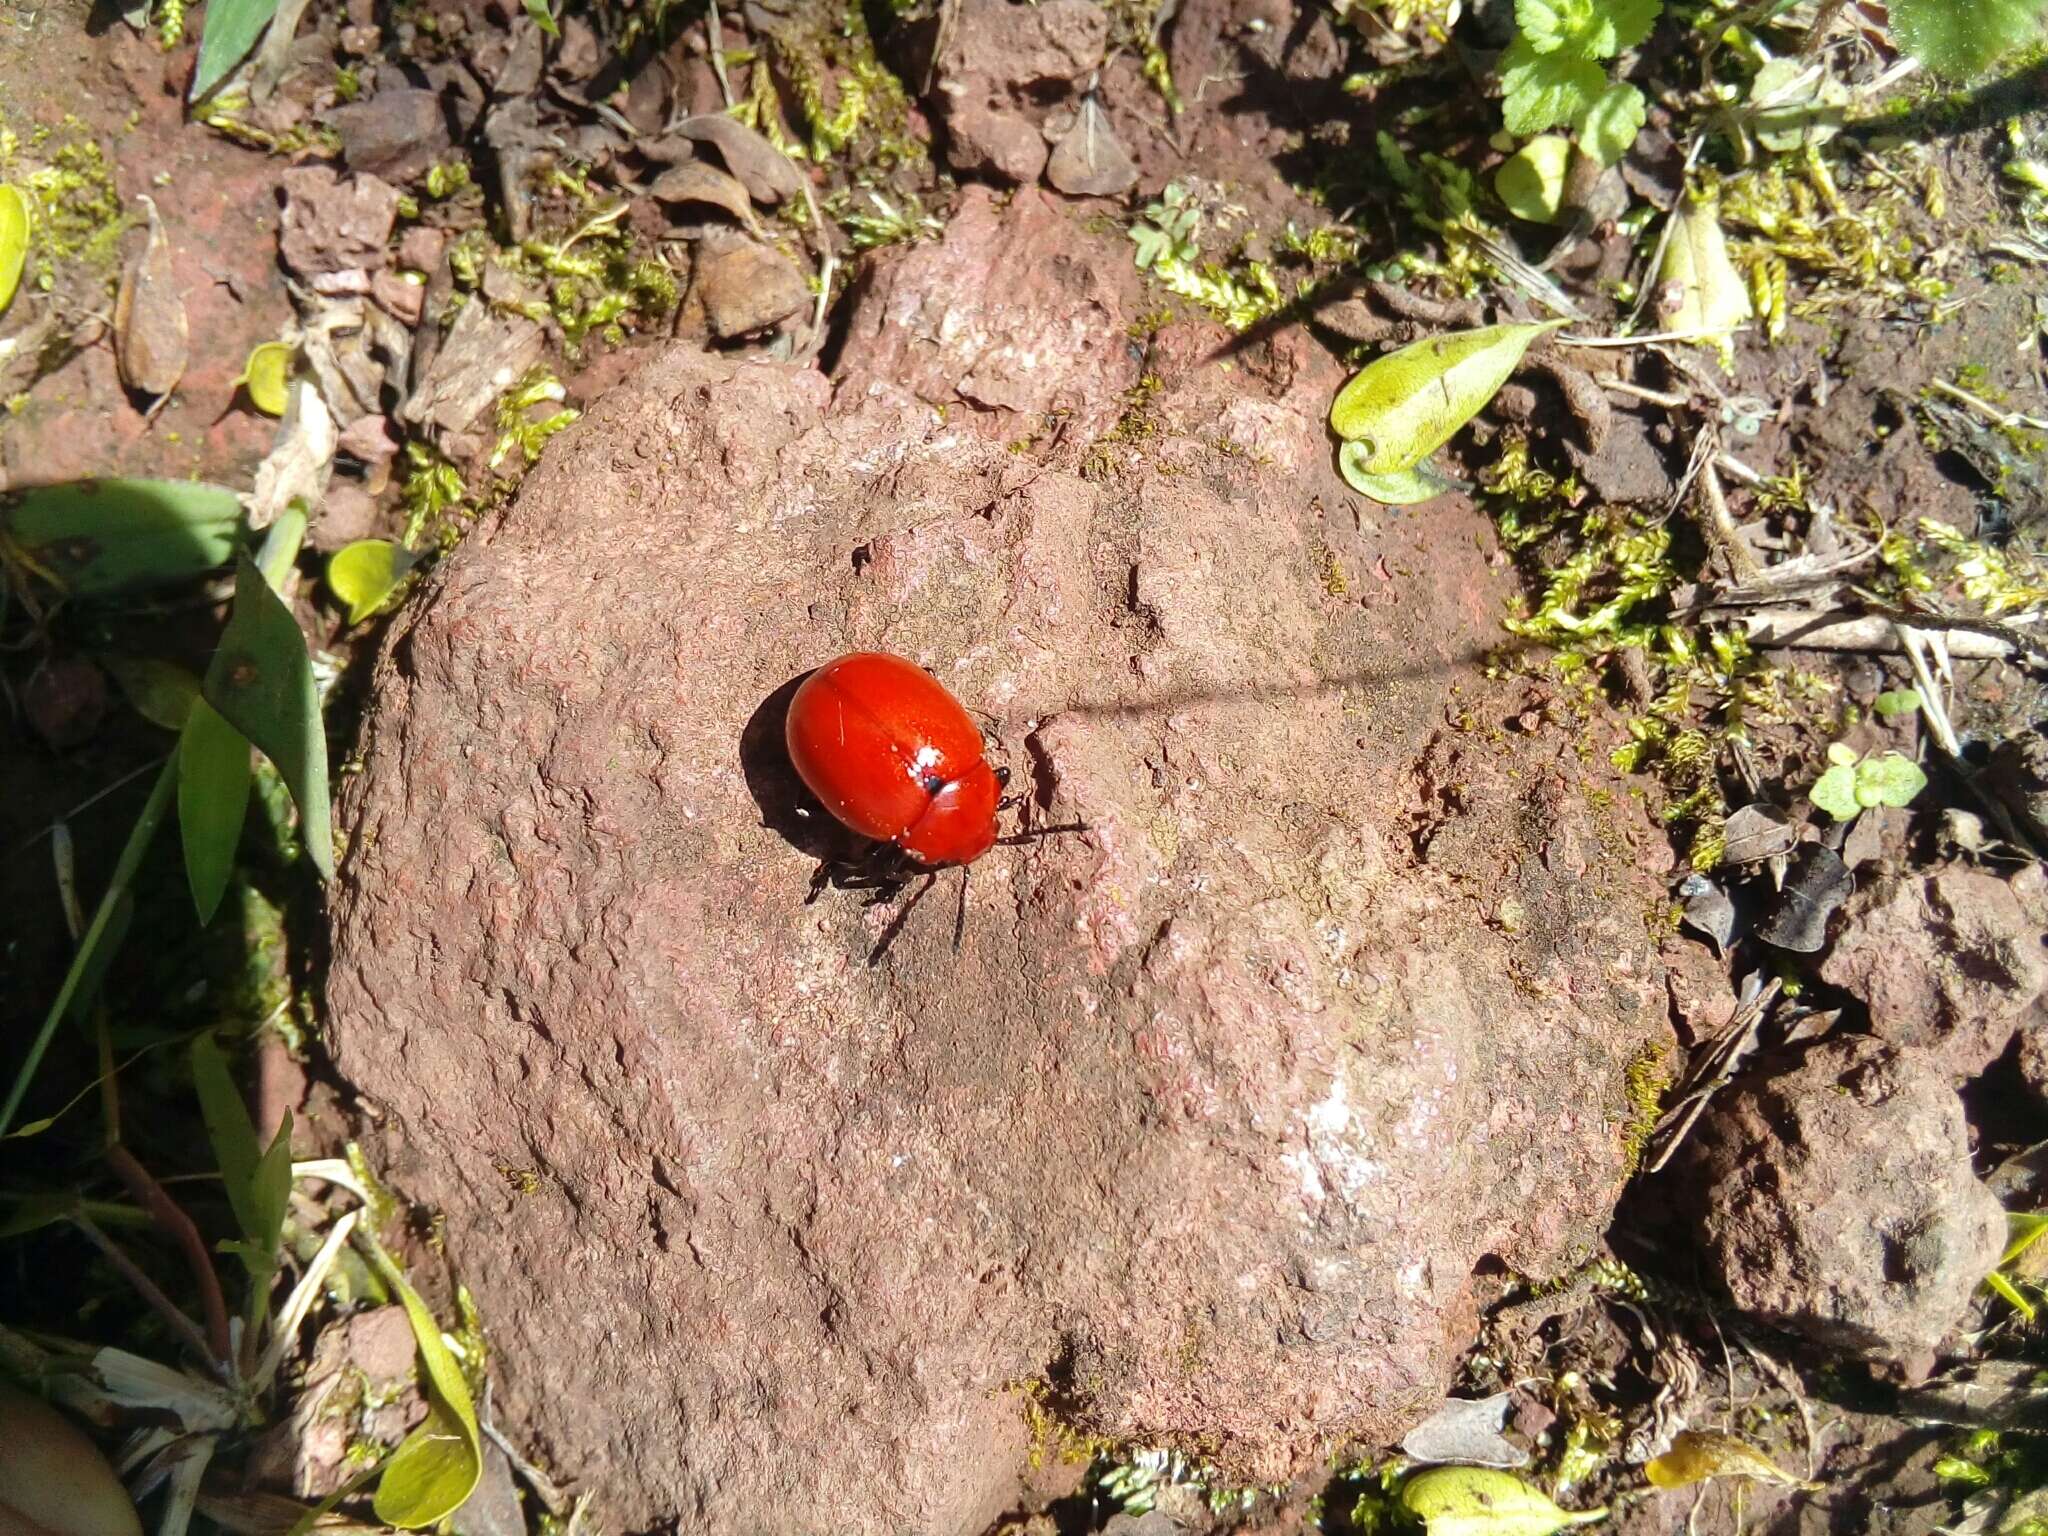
(1853, 783)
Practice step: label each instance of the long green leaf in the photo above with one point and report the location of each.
(1406, 405)
(88, 962)
(213, 800)
(437, 1467)
(262, 683)
(104, 536)
(232, 27)
(231, 1131)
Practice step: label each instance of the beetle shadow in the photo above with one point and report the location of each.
(846, 860)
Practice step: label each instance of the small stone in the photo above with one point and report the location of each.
(395, 133)
(403, 298)
(381, 1344)
(419, 248)
(332, 226)
(65, 699)
(984, 141)
(747, 287)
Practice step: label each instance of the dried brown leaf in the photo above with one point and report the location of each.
(151, 336)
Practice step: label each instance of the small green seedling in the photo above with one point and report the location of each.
(2016, 1267)
(1852, 784)
(1554, 75)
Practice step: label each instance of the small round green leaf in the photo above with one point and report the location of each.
(1531, 183)
(1835, 792)
(1900, 701)
(14, 229)
(267, 377)
(364, 574)
(1889, 780)
(1611, 123)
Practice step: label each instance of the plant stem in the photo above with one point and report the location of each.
(171, 1217)
(124, 873)
(180, 1324)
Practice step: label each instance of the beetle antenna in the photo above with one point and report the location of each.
(960, 917)
(902, 916)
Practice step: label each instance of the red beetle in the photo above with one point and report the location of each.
(892, 754)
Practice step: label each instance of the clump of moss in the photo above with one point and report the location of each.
(1053, 1438)
(78, 218)
(1644, 1080)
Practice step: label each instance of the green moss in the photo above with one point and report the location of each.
(78, 217)
(1644, 1081)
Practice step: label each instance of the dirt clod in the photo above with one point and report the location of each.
(1836, 1200)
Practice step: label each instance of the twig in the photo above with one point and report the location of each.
(2012, 636)
(1723, 1056)
(1990, 412)
(1665, 398)
(171, 1217)
(1721, 530)
(714, 37)
(146, 1288)
(1808, 629)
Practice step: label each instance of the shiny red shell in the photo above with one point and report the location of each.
(892, 754)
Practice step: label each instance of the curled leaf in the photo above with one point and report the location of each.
(434, 1471)
(1699, 291)
(365, 573)
(1404, 406)
(151, 336)
(1402, 488)
(267, 376)
(1477, 1501)
(14, 231)
(1696, 1455)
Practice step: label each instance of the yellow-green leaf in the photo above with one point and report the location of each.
(364, 574)
(430, 1475)
(14, 228)
(1406, 405)
(213, 799)
(267, 376)
(1700, 294)
(1402, 488)
(1531, 183)
(1698, 1454)
(1477, 1501)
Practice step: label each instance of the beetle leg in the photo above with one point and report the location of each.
(902, 916)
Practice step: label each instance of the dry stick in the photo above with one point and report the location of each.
(171, 1217)
(180, 1324)
(714, 35)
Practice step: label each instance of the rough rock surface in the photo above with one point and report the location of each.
(1001, 64)
(1952, 963)
(1210, 1117)
(1836, 1200)
(1009, 314)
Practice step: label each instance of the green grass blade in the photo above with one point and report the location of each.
(84, 962)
